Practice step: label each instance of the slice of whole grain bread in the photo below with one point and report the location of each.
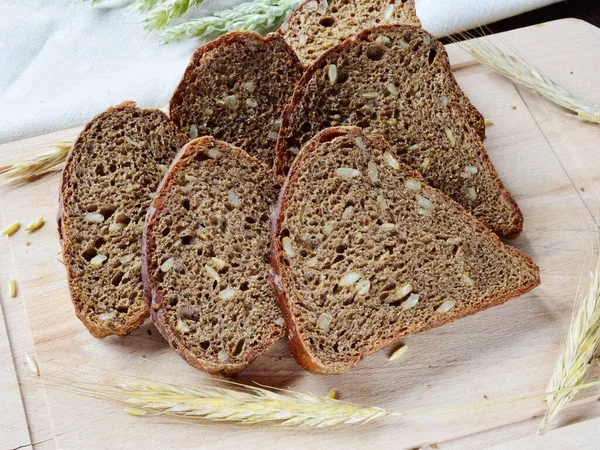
(235, 89)
(395, 80)
(317, 25)
(365, 253)
(206, 257)
(108, 181)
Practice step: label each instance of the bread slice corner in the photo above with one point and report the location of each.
(206, 257)
(395, 80)
(317, 25)
(235, 89)
(110, 175)
(364, 253)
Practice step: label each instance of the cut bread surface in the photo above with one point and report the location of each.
(365, 253)
(235, 89)
(395, 80)
(206, 257)
(317, 25)
(107, 184)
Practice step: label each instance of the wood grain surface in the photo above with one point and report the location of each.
(548, 160)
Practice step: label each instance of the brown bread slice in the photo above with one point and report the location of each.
(395, 80)
(349, 209)
(206, 257)
(108, 181)
(317, 25)
(235, 89)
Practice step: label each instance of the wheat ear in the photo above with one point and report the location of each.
(245, 404)
(167, 12)
(259, 15)
(578, 350)
(250, 405)
(520, 71)
(29, 168)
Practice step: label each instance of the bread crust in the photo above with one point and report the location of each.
(153, 297)
(133, 320)
(278, 275)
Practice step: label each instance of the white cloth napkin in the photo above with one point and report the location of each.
(62, 62)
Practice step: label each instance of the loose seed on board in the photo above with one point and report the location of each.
(35, 225)
(11, 229)
(12, 288)
(33, 366)
(399, 353)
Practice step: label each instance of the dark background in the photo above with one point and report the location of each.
(588, 10)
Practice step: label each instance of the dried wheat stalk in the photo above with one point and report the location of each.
(578, 350)
(30, 168)
(245, 404)
(522, 72)
(251, 405)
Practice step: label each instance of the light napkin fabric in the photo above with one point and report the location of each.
(62, 62)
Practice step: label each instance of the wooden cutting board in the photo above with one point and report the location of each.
(549, 161)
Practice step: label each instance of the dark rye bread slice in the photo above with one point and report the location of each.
(206, 257)
(365, 253)
(317, 25)
(395, 80)
(107, 184)
(235, 89)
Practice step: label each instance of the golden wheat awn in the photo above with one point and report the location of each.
(30, 168)
(578, 350)
(520, 71)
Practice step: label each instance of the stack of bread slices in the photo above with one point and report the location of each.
(327, 182)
